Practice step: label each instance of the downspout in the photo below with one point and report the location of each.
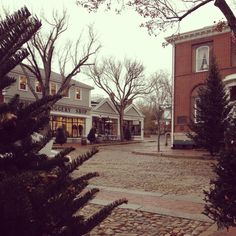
(173, 95)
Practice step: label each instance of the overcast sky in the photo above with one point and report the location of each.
(120, 35)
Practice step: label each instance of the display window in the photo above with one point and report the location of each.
(74, 127)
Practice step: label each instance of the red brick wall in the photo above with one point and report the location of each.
(185, 77)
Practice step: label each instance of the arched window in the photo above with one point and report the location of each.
(202, 58)
(195, 104)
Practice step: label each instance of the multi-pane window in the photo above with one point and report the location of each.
(202, 58)
(38, 87)
(73, 126)
(23, 83)
(66, 93)
(78, 93)
(53, 88)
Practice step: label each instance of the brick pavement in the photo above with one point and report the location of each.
(147, 212)
(183, 213)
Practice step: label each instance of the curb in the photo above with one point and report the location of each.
(203, 157)
(94, 145)
(156, 210)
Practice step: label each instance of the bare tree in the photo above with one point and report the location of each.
(147, 111)
(43, 51)
(122, 81)
(163, 13)
(160, 99)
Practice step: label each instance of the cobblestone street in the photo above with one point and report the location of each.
(119, 167)
(165, 194)
(124, 222)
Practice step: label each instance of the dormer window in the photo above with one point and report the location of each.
(202, 58)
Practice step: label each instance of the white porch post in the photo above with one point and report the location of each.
(142, 129)
(88, 125)
(118, 127)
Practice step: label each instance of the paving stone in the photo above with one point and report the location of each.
(119, 168)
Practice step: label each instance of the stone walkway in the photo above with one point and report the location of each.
(149, 212)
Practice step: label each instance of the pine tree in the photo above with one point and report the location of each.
(221, 198)
(212, 110)
(38, 195)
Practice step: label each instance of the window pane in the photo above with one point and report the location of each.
(23, 83)
(53, 88)
(38, 88)
(66, 93)
(202, 58)
(77, 93)
(72, 128)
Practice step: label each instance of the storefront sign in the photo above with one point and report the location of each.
(67, 109)
(60, 108)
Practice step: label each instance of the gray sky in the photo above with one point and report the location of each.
(120, 35)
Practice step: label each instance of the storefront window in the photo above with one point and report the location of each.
(105, 125)
(74, 127)
(134, 127)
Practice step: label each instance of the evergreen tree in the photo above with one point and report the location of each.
(38, 196)
(221, 198)
(208, 129)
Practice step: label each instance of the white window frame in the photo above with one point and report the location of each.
(80, 93)
(51, 87)
(35, 86)
(200, 61)
(68, 94)
(26, 85)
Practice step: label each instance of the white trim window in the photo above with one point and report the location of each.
(23, 86)
(53, 88)
(66, 92)
(202, 58)
(38, 88)
(78, 94)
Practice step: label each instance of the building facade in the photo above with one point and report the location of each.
(75, 112)
(72, 112)
(190, 63)
(106, 119)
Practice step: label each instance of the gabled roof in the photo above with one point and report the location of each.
(133, 107)
(55, 77)
(102, 103)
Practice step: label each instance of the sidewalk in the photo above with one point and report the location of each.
(153, 204)
(184, 207)
(150, 148)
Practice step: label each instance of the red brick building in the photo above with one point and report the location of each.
(191, 58)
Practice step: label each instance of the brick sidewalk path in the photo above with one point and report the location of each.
(151, 213)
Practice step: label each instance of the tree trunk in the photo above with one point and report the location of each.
(121, 125)
(158, 136)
